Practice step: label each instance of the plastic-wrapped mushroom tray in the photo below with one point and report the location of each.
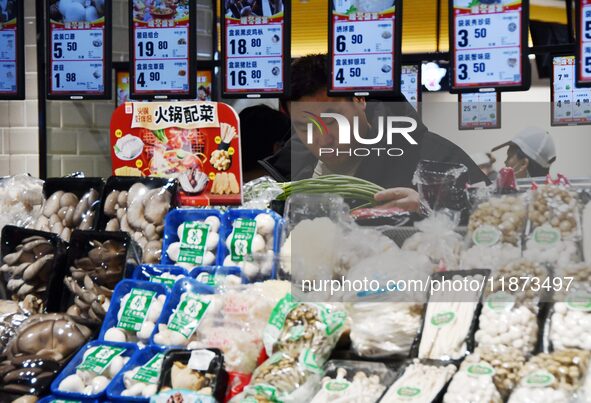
(159, 273)
(96, 262)
(29, 273)
(145, 223)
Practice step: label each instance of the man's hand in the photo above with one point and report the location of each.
(405, 198)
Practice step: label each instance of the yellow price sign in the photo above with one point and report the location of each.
(118, 133)
(231, 151)
(218, 139)
(139, 163)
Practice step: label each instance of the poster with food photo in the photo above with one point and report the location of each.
(196, 142)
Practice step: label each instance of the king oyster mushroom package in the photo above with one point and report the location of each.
(70, 203)
(138, 207)
(32, 263)
(96, 262)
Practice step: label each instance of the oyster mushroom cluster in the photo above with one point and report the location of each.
(140, 212)
(38, 351)
(93, 278)
(28, 269)
(63, 212)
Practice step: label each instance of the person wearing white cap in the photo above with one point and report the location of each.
(530, 153)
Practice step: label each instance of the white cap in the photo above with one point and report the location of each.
(536, 143)
(480, 159)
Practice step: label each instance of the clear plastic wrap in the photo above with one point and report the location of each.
(570, 322)
(21, 198)
(353, 382)
(442, 185)
(559, 253)
(296, 326)
(506, 363)
(473, 383)
(550, 378)
(235, 323)
(419, 382)
(258, 193)
(498, 220)
(490, 257)
(284, 378)
(391, 335)
(524, 280)
(437, 240)
(555, 207)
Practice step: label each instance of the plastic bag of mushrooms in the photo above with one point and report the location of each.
(140, 212)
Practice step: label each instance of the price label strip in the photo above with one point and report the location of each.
(584, 42)
(79, 54)
(11, 52)
(488, 44)
(410, 85)
(364, 47)
(254, 49)
(162, 50)
(479, 111)
(570, 105)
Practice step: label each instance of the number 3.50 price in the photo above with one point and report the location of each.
(476, 68)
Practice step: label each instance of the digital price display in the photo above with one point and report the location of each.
(79, 54)
(12, 46)
(410, 85)
(571, 105)
(479, 111)
(204, 87)
(254, 51)
(364, 45)
(583, 22)
(488, 42)
(162, 49)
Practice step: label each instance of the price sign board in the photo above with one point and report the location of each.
(162, 49)
(79, 50)
(583, 22)
(571, 105)
(365, 47)
(410, 85)
(12, 47)
(255, 54)
(479, 111)
(488, 42)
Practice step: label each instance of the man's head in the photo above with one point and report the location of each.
(309, 77)
(530, 153)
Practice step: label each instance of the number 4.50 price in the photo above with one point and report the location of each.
(353, 72)
(70, 77)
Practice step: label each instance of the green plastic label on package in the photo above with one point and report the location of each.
(337, 386)
(169, 282)
(539, 379)
(546, 235)
(188, 315)
(100, 359)
(242, 236)
(280, 311)
(480, 369)
(408, 392)
(65, 401)
(150, 371)
(136, 309)
(193, 242)
(486, 235)
(206, 278)
(442, 319)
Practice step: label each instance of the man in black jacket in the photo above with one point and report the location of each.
(303, 157)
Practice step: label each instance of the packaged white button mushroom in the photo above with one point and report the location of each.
(450, 317)
(97, 261)
(235, 322)
(353, 382)
(183, 312)
(133, 312)
(551, 378)
(138, 379)
(570, 322)
(251, 240)
(554, 207)
(71, 203)
(419, 383)
(88, 374)
(160, 273)
(473, 383)
(138, 206)
(192, 238)
(219, 276)
(545, 246)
